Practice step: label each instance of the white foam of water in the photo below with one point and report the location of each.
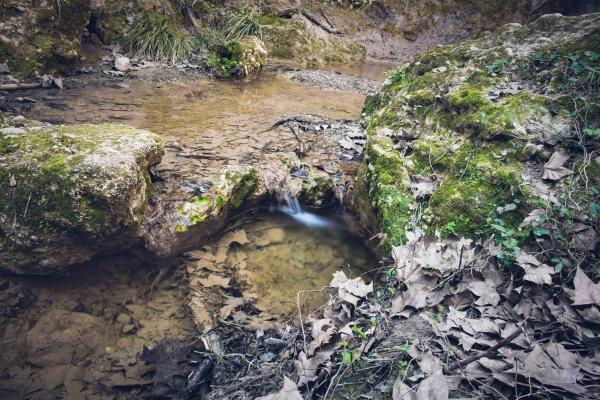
(291, 206)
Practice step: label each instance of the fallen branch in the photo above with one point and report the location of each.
(319, 24)
(459, 364)
(326, 17)
(17, 86)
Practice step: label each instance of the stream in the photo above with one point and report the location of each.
(82, 334)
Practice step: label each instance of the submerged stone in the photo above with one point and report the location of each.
(69, 192)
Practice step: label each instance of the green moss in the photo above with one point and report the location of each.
(478, 182)
(270, 19)
(52, 190)
(244, 186)
(467, 98)
(284, 52)
(388, 188)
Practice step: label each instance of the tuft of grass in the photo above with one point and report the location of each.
(238, 23)
(156, 36)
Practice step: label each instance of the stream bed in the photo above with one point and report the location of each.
(85, 333)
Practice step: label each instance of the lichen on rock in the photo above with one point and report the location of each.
(71, 191)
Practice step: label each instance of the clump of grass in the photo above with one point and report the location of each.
(238, 23)
(156, 36)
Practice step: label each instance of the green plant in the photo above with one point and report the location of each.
(238, 23)
(496, 66)
(156, 36)
(359, 332)
(223, 66)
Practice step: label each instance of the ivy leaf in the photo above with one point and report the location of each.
(595, 209)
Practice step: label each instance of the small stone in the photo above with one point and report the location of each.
(123, 319)
(122, 63)
(129, 328)
(12, 131)
(529, 151)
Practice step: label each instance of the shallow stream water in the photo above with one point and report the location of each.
(80, 334)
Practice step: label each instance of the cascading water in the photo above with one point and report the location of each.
(291, 206)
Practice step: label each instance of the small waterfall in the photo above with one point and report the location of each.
(291, 206)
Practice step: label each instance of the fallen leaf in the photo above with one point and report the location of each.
(214, 280)
(423, 186)
(533, 218)
(307, 368)
(432, 388)
(289, 391)
(586, 291)
(553, 169)
(350, 290)
(535, 271)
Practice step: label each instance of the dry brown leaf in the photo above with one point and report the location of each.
(322, 330)
(533, 218)
(585, 237)
(307, 368)
(553, 169)
(535, 271)
(432, 388)
(586, 291)
(350, 290)
(423, 186)
(289, 391)
(213, 280)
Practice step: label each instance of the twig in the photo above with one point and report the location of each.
(301, 323)
(293, 128)
(17, 86)
(489, 351)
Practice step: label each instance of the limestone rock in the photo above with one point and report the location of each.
(251, 56)
(68, 193)
(122, 63)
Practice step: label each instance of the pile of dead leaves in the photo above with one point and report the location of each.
(501, 338)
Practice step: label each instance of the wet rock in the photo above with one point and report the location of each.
(185, 224)
(61, 337)
(529, 151)
(72, 192)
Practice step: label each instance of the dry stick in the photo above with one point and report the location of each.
(296, 133)
(319, 24)
(17, 86)
(326, 17)
(476, 357)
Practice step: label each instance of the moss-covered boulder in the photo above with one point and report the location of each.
(184, 223)
(69, 192)
(450, 135)
(298, 41)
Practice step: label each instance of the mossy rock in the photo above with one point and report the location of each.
(71, 191)
(232, 186)
(461, 114)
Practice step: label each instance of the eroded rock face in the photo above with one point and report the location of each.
(70, 192)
